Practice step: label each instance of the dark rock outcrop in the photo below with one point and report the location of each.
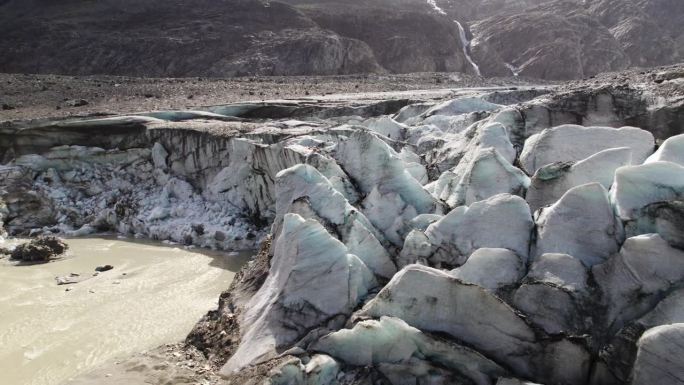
(41, 249)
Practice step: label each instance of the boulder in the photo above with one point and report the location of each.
(581, 224)
(41, 249)
(572, 143)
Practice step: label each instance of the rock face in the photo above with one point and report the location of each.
(548, 39)
(250, 37)
(555, 40)
(400, 245)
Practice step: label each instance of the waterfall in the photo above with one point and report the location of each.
(514, 70)
(466, 48)
(464, 39)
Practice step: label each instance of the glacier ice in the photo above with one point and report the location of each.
(312, 278)
(491, 268)
(633, 280)
(303, 190)
(463, 230)
(658, 358)
(487, 174)
(638, 186)
(550, 182)
(571, 143)
(582, 224)
(672, 150)
(391, 340)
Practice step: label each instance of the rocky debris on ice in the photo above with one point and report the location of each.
(636, 187)
(572, 143)
(303, 190)
(41, 249)
(432, 300)
(664, 218)
(582, 224)
(635, 279)
(658, 359)
(453, 238)
(491, 268)
(550, 182)
(553, 309)
(392, 341)
(672, 150)
(313, 280)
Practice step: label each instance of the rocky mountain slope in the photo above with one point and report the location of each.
(491, 236)
(548, 39)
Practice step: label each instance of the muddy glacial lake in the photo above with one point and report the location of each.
(154, 295)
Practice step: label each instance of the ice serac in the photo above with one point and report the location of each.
(582, 224)
(454, 152)
(659, 356)
(393, 196)
(634, 280)
(491, 269)
(452, 239)
(550, 182)
(432, 300)
(672, 150)
(638, 186)
(386, 126)
(486, 175)
(392, 341)
(311, 280)
(303, 190)
(572, 143)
